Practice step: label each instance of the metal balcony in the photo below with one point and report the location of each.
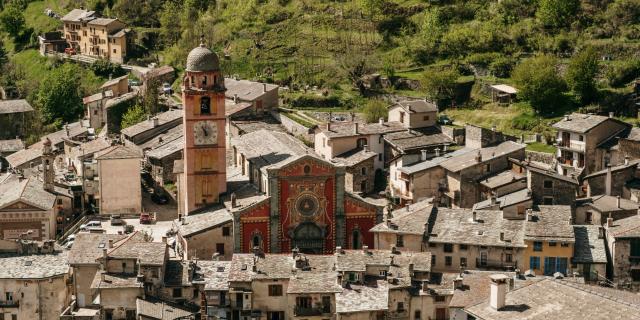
(9, 304)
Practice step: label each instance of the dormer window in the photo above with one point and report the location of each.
(205, 105)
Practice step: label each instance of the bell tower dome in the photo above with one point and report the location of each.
(203, 124)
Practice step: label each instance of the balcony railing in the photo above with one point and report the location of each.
(495, 264)
(9, 304)
(571, 145)
(307, 312)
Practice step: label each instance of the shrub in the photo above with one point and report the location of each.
(314, 101)
(539, 83)
(502, 67)
(620, 73)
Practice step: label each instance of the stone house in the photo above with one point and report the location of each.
(33, 280)
(144, 131)
(611, 180)
(99, 37)
(96, 108)
(547, 186)
(550, 239)
(162, 158)
(414, 113)
(263, 97)
(623, 244)
(118, 86)
(118, 172)
(359, 176)
(595, 210)
(512, 205)
(404, 228)
(590, 254)
(205, 234)
(8, 147)
(503, 183)
(14, 117)
(579, 136)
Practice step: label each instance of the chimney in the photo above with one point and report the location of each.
(66, 129)
(474, 216)
(437, 150)
(566, 117)
(110, 243)
(329, 125)
(264, 87)
(339, 278)
(164, 239)
(492, 198)
(104, 257)
(498, 291)
(155, 121)
(529, 215)
(423, 154)
(102, 276)
(381, 120)
(457, 282)
(366, 147)
(235, 98)
(339, 250)
(355, 128)
(501, 236)
(626, 160)
(607, 181)
(611, 114)
(444, 148)
(479, 156)
(233, 200)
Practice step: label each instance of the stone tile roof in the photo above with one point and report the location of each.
(354, 157)
(88, 247)
(273, 266)
(88, 149)
(411, 219)
(363, 298)
(35, 266)
(216, 274)
(98, 96)
(29, 190)
(231, 108)
(634, 134)
(14, 106)
(268, 148)
(506, 200)
(416, 139)
(12, 145)
(589, 247)
(120, 33)
(112, 281)
(457, 226)
(625, 228)
(23, 156)
(631, 164)
(143, 126)
(502, 179)
(245, 89)
(117, 152)
(624, 296)
(34, 151)
(581, 123)
(123, 98)
(166, 149)
(468, 159)
(358, 260)
(416, 106)
(475, 288)
(163, 138)
(158, 71)
(267, 122)
(605, 203)
(550, 223)
(544, 170)
(76, 15)
(113, 81)
(347, 129)
(102, 21)
(314, 282)
(134, 247)
(205, 220)
(161, 310)
(556, 299)
(434, 162)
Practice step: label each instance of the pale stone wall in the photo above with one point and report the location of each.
(45, 297)
(120, 190)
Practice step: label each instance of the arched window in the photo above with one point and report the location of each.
(356, 242)
(362, 142)
(205, 105)
(256, 241)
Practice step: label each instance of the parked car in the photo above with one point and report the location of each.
(159, 198)
(68, 244)
(70, 51)
(134, 82)
(444, 119)
(116, 220)
(166, 88)
(146, 218)
(91, 224)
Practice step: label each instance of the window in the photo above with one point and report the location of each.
(448, 261)
(463, 261)
(220, 248)
(548, 184)
(114, 50)
(226, 231)
(399, 241)
(432, 245)
(15, 316)
(353, 276)
(326, 304)
(537, 246)
(508, 257)
(124, 266)
(361, 142)
(547, 201)
(383, 273)
(59, 201)
(177, 292)
(488, 167)
(401, 116)
(564, 244)
(205, 105)
(534, 263)
(448, 247)
(8, 296)
(400, 307)
(275, 290)
(379, 156)
(273, 315)
(425, 118)
(439, 298)
(581, 138)
(588, 217)
(464, 247)
(303, 302)
(416, 315)
(204, 80)
(363, 171)
(552, 244)
(433, 260)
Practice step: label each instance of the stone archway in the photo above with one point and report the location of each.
(309, 238)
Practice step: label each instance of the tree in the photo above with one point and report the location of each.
(539, 82)
(440, 84)
(169, 24)
(58, 96)
(581, 73)
(374, 110)
(12, 20)
(557, 13)
(134, 115)
(3, 55)
(355, 66)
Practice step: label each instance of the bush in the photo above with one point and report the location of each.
(482, 59)
(525, 122)
(502, 67)
(313, 101)
(620, 73)
(539, 83)
(106, 68)
(374, 110)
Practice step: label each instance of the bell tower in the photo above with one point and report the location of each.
(48, 172)
(204, 129)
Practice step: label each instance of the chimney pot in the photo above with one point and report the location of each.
(381, 120)
(264, 87)
(611, 114)
(235, 98)
(498, 293)
(423, 154)
(609, 222)
(474, 216)
(233, 200)
(479, 156)
(110, 243)
(618, 202)
(329, 125)
(626, 160)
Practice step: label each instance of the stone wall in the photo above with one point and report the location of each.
(477, 137)
(597, 185)
(354, 177)
(456, 134)
(540, 156)
(562, 192)
(293, 127)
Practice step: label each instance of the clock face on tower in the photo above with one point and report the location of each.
(205, 133)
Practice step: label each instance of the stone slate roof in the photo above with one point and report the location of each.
(605, 203)
(87, 149)
(631, 164)
(35, 266)
(358, 260)
(117, 152)
(273, 266)
(143, 126)
(550, 223)
(547, 171)
(176, 273)
(98, 96)
(14, 106)
(167, 149)
(435, 162)
(245, 89)
(475, 288)
(417, 139)
(113, 81)
(582, 123)
(123, 98)
(160, 310)
(232, 108)
(134, 247)
(88, 247)
(468, 159)
(634, 134)
(411, 219)
(12, 145)
(589, 247)
(197, 223)
(216, 274)
(28, 190)
(358, 298)
(304, 282)
(354, 157)
(457, 226)
(506, 200)
(76, 15)
(34, 151)
(557, 299)
(625, 228)
(502, 179)
(267, 122)
(102, 21)
(163, 138)
(347, 129)
(268, 148)
(416, 106)
(114, 281)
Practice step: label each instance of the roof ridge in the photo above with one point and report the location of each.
(123, 241)
(627, 230)
(581, 287)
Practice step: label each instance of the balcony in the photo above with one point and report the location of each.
(571, 145)
(495, 264)
(9, 304)
(308, 312)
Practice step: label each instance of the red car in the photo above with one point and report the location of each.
(70, 51)
(146, 218)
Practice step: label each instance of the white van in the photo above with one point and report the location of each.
(91, 224)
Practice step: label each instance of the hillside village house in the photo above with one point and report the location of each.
(595, 210)
(547, 186)
(550, 240)
(91, 35)
(623, 244)
(205, 234)
(14, 116)
(8, 147)
(590, 254)
(249, 97)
